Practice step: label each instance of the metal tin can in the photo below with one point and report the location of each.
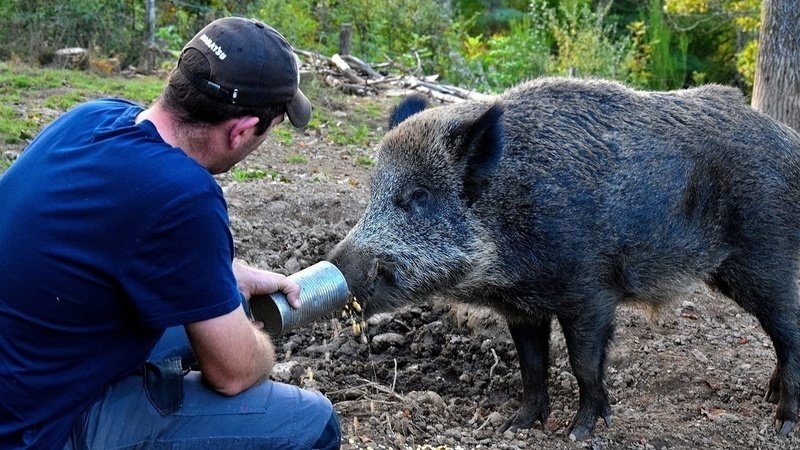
(323, 290)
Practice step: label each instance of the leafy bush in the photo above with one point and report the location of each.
(585, 43)
(33, 30)
(488, 45)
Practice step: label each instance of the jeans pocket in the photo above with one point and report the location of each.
(163, 383)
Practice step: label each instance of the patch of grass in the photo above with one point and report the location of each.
(16, 126)
(244, 175)
(365, 161)
(5, 163)
(58, 90)
(283, 134)
(297, 159)
(319, 119)
(372, 111)
(347, 134)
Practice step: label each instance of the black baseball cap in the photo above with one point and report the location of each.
(251, 65)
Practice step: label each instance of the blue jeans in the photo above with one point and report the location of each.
(269, 415)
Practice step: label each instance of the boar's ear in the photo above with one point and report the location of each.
(407, 108)
(482, 146)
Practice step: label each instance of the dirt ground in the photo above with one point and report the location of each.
(437, 377)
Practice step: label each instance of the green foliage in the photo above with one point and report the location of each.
(295, 20)
(17, 125)
(585, 43)
(505, 59)
(639, 72)
(483, 44)
(666, 72)
(38, 28)
(723, 37)
(378, 31)
(746, 63)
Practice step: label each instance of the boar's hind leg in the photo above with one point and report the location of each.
(587, 337)
(532, 340)
(768, 290)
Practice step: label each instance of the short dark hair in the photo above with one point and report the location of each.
(193, 107)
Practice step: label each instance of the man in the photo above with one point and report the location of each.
(113, 230)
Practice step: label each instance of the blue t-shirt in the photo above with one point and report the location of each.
(108, 235)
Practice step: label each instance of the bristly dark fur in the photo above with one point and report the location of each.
(562, 198)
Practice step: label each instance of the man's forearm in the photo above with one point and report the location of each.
(265, 359)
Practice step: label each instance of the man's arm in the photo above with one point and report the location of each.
(232, 352)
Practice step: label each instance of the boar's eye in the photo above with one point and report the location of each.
(417, 198)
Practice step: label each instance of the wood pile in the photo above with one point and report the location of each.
(353, 76)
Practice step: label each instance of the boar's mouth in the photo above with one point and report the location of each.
(377, 289)
(375, 282)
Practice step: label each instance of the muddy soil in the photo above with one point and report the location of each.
(435, 376)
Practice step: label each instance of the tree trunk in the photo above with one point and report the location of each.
(776, 91)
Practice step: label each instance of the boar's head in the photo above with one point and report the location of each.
(419, 237)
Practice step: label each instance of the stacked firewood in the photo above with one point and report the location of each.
(354, 76)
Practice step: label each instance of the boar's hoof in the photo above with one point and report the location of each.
(582, 426)
(773, 394)
(526, 416)
(784, 427)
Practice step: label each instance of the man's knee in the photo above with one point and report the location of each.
(331, 436)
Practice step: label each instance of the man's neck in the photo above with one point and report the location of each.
(169, 130)
(164, 123)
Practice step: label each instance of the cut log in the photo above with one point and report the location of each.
(71, 58)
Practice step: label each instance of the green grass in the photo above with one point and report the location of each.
(372, 111)
(365, 161)
(13, 128)
(43, 94)
(348, 134)
(283, 134)
(5, 163)
(244, 175)
(297, 159)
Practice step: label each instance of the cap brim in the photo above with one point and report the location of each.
(299, 110)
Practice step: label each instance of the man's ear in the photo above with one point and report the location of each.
(242, 129)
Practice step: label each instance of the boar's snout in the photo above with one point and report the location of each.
(369, 277)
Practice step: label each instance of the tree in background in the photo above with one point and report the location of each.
(718, 39)
(777, 79)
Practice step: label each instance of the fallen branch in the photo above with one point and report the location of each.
(356, 77)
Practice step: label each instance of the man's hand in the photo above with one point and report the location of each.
(254, 281)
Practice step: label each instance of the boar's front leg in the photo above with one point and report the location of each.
(532, 340)
(587, 335)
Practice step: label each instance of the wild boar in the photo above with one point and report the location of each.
(564, 198)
